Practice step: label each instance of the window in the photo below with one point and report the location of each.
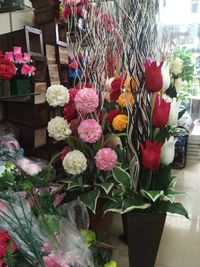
(195, 6)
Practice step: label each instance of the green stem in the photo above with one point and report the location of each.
(151, 116)
(149, 181)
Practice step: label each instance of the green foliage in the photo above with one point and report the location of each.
(188, 66)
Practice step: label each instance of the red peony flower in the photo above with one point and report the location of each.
(7, 69)
(151, 154)
(116, 87)
(160, 113)
(153, 76)
(112, 114)
(69, 110)
(64, 152)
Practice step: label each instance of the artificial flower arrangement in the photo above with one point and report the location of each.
(20, 82)
(148, 184)
(33, 214)
(97, 166)
(22, 61)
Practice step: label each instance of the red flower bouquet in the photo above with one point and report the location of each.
(7, 68)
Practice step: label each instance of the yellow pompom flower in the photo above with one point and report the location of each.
(125, 99)
(111, 264)
(120, 122)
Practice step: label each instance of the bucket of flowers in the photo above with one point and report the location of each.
(21, 82)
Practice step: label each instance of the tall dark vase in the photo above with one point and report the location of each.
(143, 232)
(100, 223)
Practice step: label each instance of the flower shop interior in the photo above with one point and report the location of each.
(99, 133)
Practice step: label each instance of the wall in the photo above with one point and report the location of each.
(14, 21)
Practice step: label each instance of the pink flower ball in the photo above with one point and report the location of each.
(86, 100)
(106, 159)
(89, 131)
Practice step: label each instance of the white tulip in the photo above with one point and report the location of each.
(174, 111)
(166, 76)
(168, 151)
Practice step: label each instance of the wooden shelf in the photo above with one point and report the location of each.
(17, 98)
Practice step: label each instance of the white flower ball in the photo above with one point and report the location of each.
(57, 95)
(58, 128)
(75, 162)
(176, 66)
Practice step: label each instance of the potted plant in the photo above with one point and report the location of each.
(21, 82)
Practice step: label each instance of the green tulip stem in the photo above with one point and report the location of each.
(151, 118)
(149, 181)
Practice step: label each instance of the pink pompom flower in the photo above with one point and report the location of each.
(86, 100)
(89, 131)
(106, 159)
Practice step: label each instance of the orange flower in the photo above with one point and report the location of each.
(120, 122)
(125, 99)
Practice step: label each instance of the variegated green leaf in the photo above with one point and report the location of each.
(90, 199)
(134, 203)
(152, 195)
(106, 187)
(113, 206)
(167, 206)
(122, 177)
(173, 193)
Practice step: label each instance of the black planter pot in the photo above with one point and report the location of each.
(143, 233)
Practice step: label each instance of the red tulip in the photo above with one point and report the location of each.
(153, 76)
(151, 154)
(160, 113)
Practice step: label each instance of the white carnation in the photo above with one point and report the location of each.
(75, 162)
(57, 95)
(176, 66)
(58, 128)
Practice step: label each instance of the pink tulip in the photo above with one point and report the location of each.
(17, 50)
(19, 58)
(9, 56)
(27, 70)
(27, 57)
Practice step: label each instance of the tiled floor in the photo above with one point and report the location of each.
(180, 244)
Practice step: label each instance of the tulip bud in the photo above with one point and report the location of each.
(168, 151)
(151, 154)
(166, 76)
(174, 111)
(153, 77)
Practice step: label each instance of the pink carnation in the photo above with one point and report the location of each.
(86, 100)
(106, 159)
(89, 131)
